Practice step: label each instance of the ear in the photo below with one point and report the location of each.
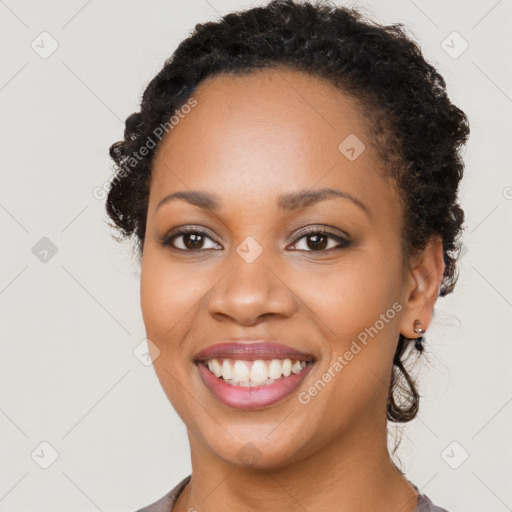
(423, 280)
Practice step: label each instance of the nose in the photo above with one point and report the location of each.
(251, 292)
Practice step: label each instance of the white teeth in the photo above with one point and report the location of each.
(275, 370)
(296, 367)
(215, 367)
(287, 367)
(227, 371)
(254, 373)
(246, 384)
(259, 371)
(240, 371)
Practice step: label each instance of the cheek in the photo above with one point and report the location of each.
(356, 307)
(168, 294)
(350, 296)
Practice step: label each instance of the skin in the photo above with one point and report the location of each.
(250, 139)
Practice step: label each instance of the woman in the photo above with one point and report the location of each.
(291, 184)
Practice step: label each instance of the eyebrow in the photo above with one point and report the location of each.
(290, 201)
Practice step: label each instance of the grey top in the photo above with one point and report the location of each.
(166, 503)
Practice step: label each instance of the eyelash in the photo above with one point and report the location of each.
(167, 240)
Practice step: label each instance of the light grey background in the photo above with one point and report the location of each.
(69, 325)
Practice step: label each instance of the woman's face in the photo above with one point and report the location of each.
(253, 142)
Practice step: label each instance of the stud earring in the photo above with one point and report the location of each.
(418, 327)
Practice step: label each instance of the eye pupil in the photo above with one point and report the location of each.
(316, 243)
(192, 240)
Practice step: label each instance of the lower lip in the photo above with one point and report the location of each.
(256, 397)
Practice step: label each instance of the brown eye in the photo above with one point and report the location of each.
(193, 240)
(319, 240)
(189, 240)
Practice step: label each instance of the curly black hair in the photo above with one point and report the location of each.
(416, 130)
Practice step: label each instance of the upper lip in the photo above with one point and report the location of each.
(252, 350)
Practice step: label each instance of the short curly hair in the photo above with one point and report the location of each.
(416, 130)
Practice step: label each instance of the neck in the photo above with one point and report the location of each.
(354, 472)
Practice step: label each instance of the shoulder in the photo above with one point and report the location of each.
(165, 503)
(426, 505)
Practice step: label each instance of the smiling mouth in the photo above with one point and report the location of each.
(250, 388)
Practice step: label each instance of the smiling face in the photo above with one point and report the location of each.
(316, 272)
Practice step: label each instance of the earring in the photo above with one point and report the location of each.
(418, 327)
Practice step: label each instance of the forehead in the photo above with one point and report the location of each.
(257, 135)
